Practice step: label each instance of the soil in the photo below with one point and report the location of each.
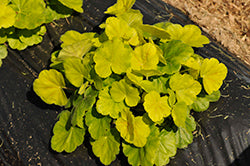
(226, 21)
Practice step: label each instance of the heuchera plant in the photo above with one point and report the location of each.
(132, 87)
(22, 21)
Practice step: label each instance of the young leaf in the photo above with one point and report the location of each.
(121, 6)
(119, 28)
(179, 114)
(189, 34)
(81, 105)
(49, 86)
(200, 104)
(145, 57)
(132, 129)
(185, 87)
(143, 155)
(194, 65)
(107, 106)
(97, 124)
(76, 70)
(132, 17)
(175, 53)
(3, 53)
(66, 138)
(7, 16)
(213, 74)
(156, 106)
(107, 146)
(184, 135)
(73, 4)
(113, 56)
(167, 148)
(122, 90)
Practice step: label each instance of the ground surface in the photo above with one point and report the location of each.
(227, 21)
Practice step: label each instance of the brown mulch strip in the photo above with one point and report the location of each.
(227, 21)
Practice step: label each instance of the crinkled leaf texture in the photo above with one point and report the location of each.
(156, 106)
(73, 4)
(143, 155)
(97, 124)
(185, 87)
(175, 53)
(213, 74)
(66, 137)
(27, 10)
(120, 6)
(119, 28)
(49, 86)
(7, 16)
(167, 148)
(145, 57)
(122, 90)
(107, 106)
(184, 135)
(114, 56)
(107, 146)
(132, 129)
(3, 53)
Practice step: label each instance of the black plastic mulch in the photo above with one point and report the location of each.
(222, 136)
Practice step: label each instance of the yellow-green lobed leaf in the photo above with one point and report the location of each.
(145, 155)
(76, 70)
(185, 87)
(145, 57)
(107, 106)
(7, 15)
(114, 56)
(107, 146)
(132, 129)
(180, 113)
(97, 124)
(122, 90)
(49, 86)
(120, 6)
(213, 74)
(66, 138)
(156, 106)
(167, 148)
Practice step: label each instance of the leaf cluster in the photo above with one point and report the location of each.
(132, 86)
(22, 21)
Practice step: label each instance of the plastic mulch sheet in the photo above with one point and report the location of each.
(222, 136)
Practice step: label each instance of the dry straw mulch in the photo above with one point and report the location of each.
(227, 21)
